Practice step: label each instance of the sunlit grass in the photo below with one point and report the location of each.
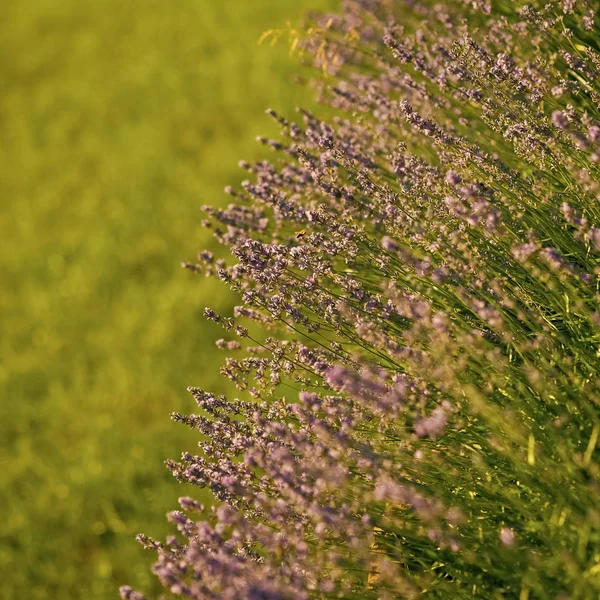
(118, 120)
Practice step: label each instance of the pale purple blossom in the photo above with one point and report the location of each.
(507, 536)
(418, 281)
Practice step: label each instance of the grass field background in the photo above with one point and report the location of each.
(118, 119)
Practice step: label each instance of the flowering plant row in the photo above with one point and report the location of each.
(420, 415)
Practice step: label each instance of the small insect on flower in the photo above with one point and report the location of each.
(300, 234)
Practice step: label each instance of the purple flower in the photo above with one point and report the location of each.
(434, 425)
(560, 120)
(417, 333)
(389, 245)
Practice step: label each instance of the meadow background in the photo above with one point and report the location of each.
(117, 121)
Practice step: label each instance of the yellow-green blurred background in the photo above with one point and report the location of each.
(118, 119)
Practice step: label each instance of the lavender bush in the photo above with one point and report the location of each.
(426, 423)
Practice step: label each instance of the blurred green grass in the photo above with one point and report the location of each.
(117, 120)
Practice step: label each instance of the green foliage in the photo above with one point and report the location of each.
(117, 119)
